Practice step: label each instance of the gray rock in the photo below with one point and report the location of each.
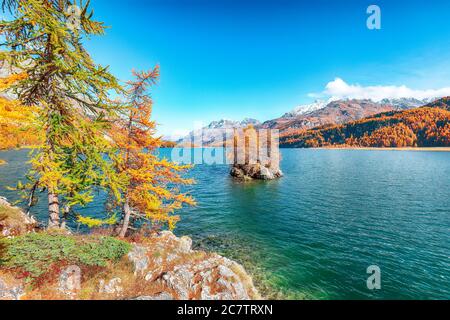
(70, 280)
(113, 286)
(192, 278)
(8, 292)
(154, 274)
(159, 296)
(185, 245)
(255, 171)
(265, 174)
(225, 271)
(171, 257)
(237, 173)
(167, 235)
(180, 280)
(278, 173)
(138, 255)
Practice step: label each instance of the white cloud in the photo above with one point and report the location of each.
(339, 89)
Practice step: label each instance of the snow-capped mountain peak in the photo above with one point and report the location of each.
(407, 103)
(398, 103)
(213, 132)
(228, 124)
(307, 108)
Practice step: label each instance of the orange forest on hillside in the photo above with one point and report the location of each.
(17, 122)
(428, 126)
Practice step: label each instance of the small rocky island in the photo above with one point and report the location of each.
(96, 266)
(255, 155)
(255, 172)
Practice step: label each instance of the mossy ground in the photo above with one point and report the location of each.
(34, 254)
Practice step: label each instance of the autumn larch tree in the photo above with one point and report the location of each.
(70, 91)
(152, 192)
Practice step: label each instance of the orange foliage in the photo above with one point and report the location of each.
(398, 135)
(152, 193)
(422, 127)
(7, 82)
(17, 122)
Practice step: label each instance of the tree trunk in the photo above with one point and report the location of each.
(53, 210)
(65, 215)
(53, 200)
(126, 219)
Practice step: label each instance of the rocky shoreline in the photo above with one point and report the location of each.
(159, 267)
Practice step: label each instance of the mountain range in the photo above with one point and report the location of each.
(213, 133)
(317, 114)
(338, 112)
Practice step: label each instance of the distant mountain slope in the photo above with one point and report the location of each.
(213, 133)
(338, 112)
(318, 114)
(443, 103)
(427, 126)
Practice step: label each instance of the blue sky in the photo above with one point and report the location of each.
(260, 59)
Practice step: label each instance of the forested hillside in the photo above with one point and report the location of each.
(17, 126)
(428, 126)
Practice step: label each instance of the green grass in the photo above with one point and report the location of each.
(2, 248)
(35, 253)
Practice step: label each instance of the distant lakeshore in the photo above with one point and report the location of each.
(436, 149)
(432, 149)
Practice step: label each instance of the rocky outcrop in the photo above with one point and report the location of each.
(70, 280)
(190, 274)
(159, 296)
(160, 267)
(13, 221)
(255, 171)
(11, 290)
(113, 286)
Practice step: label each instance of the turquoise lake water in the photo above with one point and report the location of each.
(313, 233)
